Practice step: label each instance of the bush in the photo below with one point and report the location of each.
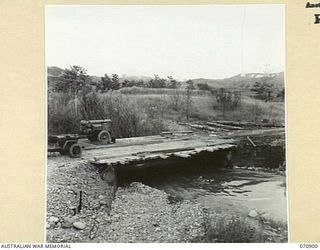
(126, 119)
(226, 228)
(229, 229)
(62, 117)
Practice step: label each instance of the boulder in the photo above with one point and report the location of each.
(253, 214)
(67, 223)
(103, 202)
(53, 219)
(79, 225)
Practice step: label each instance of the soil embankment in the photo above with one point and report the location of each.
(138, 213)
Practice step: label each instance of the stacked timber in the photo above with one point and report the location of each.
(237, 123)
(229, 127)
(171, 133)
(250, 124)
(199, 127)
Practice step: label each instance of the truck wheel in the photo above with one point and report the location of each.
(104, 136)
(75, 150)
(93, 136)
(62, 152)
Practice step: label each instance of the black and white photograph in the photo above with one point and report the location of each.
(166, 124)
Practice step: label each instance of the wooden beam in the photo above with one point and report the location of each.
(252, 143)
(224, 126)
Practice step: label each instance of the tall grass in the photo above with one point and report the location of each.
(254, 110)
(206, 108)
(127, 120)
(160, 91)
(226, 228)
(148, 114)
(62, 115)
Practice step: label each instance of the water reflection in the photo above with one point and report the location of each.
(236, 191)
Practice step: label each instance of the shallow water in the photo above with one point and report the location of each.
(232, 190)
(235, 191)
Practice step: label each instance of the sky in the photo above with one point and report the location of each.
(183, 41)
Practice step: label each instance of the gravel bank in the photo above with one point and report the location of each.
(138, 212)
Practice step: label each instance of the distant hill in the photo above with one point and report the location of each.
(240, 81)
(136, 78)
(54, 71)
(244, 81)
(122, 78)
(95, 78)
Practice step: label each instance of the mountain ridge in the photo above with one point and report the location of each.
(246, 80)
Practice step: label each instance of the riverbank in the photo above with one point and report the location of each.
(140, 213)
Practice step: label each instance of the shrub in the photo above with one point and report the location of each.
(127, 120)
(229, 229)
(226, 228)
(62, 117)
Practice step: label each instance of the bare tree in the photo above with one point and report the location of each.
(176, 99)
(190, 87)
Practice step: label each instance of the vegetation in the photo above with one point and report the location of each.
(227, 100)
(204, 86)
(225, 228)
(73, 80)
(262, 91)
(163, 91)
(146, 107)
(127, 120)
(189, 102)
(266, 91)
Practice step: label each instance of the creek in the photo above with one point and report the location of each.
(235, 190)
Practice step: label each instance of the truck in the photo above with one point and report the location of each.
(97, 130)
(93, 130)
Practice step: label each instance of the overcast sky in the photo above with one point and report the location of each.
(186, 41)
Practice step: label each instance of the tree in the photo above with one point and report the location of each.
(203, 86)
(115, 82)
(72, 80)
(263, 90)
(176, 99)
(190, 84)
(157, 82)
(105, 83)
(131, 83)
(140, 83)
(125, 83)
(281, 94)
(222, 99)
(190, 87)
(227, 100)
(173, 84)
(236, 99)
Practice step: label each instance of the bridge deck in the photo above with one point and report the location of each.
(158, 148)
